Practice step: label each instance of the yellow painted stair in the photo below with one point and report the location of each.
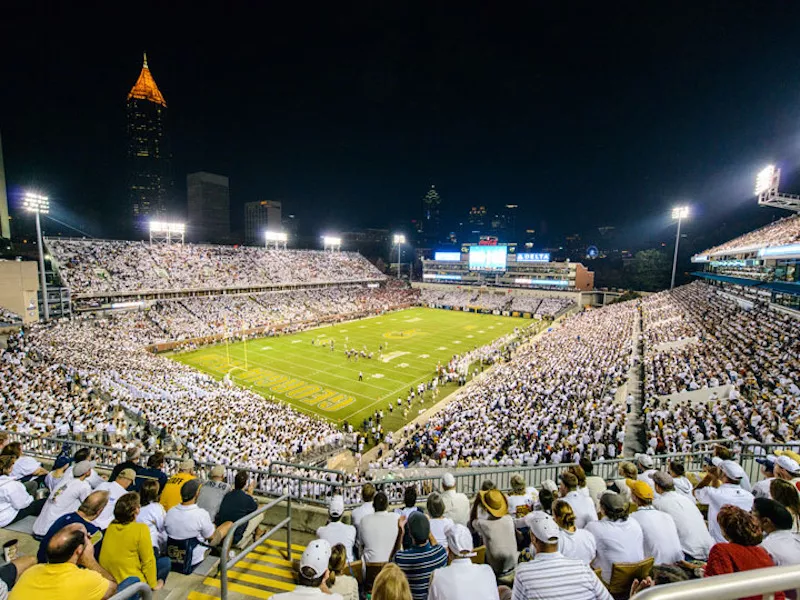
(260, 574)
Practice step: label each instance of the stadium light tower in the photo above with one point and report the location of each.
(330, 242)
(679, 213)
(166, 232)
(767, 182)
(38, 204)
(276, 237)
(399, 239)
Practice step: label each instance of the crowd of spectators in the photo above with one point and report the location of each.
(102, 266)
(505, 301)
(699, 340)
(780, 233)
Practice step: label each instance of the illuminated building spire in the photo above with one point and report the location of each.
(146, 88)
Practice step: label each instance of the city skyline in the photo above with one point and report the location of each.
(346, 122)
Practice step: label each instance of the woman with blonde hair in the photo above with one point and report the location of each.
(338, 582)
(627, 470)
(573, 542)
(391, 584)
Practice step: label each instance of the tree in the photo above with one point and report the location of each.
(650, 270)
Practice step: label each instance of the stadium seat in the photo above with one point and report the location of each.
(372, 571)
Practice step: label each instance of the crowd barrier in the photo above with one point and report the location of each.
(315, 485)
(746, 584)
(142, 589)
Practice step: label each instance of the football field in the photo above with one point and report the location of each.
(317, 379)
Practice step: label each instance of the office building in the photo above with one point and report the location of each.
(261, 216)
(209, 206)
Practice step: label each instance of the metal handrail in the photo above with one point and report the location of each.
(225, 561)
(129, 592)
(757, 582)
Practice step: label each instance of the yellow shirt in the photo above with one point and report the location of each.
(171, 494)
(64, 581)
(127, 551)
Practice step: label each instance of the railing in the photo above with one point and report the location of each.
(227, 561)
(758, 582)
(129, 592)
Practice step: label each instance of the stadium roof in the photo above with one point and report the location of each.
(146, 88)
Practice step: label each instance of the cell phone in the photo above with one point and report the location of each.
(96, 537)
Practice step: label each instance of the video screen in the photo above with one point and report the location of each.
(487, 258)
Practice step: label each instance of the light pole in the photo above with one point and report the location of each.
(679, 213)
(39, 204)
(399, 239)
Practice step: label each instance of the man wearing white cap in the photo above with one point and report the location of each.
(65, 499)
(644, 464)
(313, 574)
(116, 489)
(786, 467)
(550, 574)
(337, 532)
(463, 578)
(456, 504)
(213, 491)
(730, 474)
(761, 488)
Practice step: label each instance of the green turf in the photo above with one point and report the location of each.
(316, 380)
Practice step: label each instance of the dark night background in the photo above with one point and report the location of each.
(584, 114)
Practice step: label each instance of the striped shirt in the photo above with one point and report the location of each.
(552, 575)
(419, 563)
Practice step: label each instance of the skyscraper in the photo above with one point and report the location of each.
(149, 168)
(430, 222)
(209, 205)
(261, 216)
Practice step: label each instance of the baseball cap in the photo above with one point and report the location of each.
(82, 468)
(550, 486)
(187, 465)
(448, 480)
(543, 527)
(663, 479)
(787, 463)
(768, 461)
(645, 460)
(218, 471)
(459, 540)
(732, 469)
(612, 502)
(790, 453)
(315, 558)
(61, 461)
(640, 489)
(189, 489)
(336, 507)
(418, 526)
(127, 474)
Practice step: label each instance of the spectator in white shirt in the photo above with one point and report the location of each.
(679, 480)
(66, 498)
(761, 488)
(153, 515)
(582, 505)
(520, 496)
(660, 534)
(438, 522)
(786, 467)
(336, 532)
(116, 489)
(366, 508)
(462, 578)
(596, 485)
(618, 538)
(25, 467)
(550, 574)
(456, 504)
(15, 501)
(187, 520)
(782, 544)
(644, 464)
(694, 537)
(378, 531)
(313, 574)
(729, 476)
(573, 542)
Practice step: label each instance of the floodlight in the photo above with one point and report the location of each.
(36, 203)
(399, 238)
(764, 179)
(167, 227)
(331, 240)
(680, 212)
(276, 236)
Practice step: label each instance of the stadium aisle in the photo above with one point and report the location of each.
(634, 425)
(261, 574)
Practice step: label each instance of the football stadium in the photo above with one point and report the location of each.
(200, 405)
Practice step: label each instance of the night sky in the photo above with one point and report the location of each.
(584, 114)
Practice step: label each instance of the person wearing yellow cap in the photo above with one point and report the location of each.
(661, 539)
